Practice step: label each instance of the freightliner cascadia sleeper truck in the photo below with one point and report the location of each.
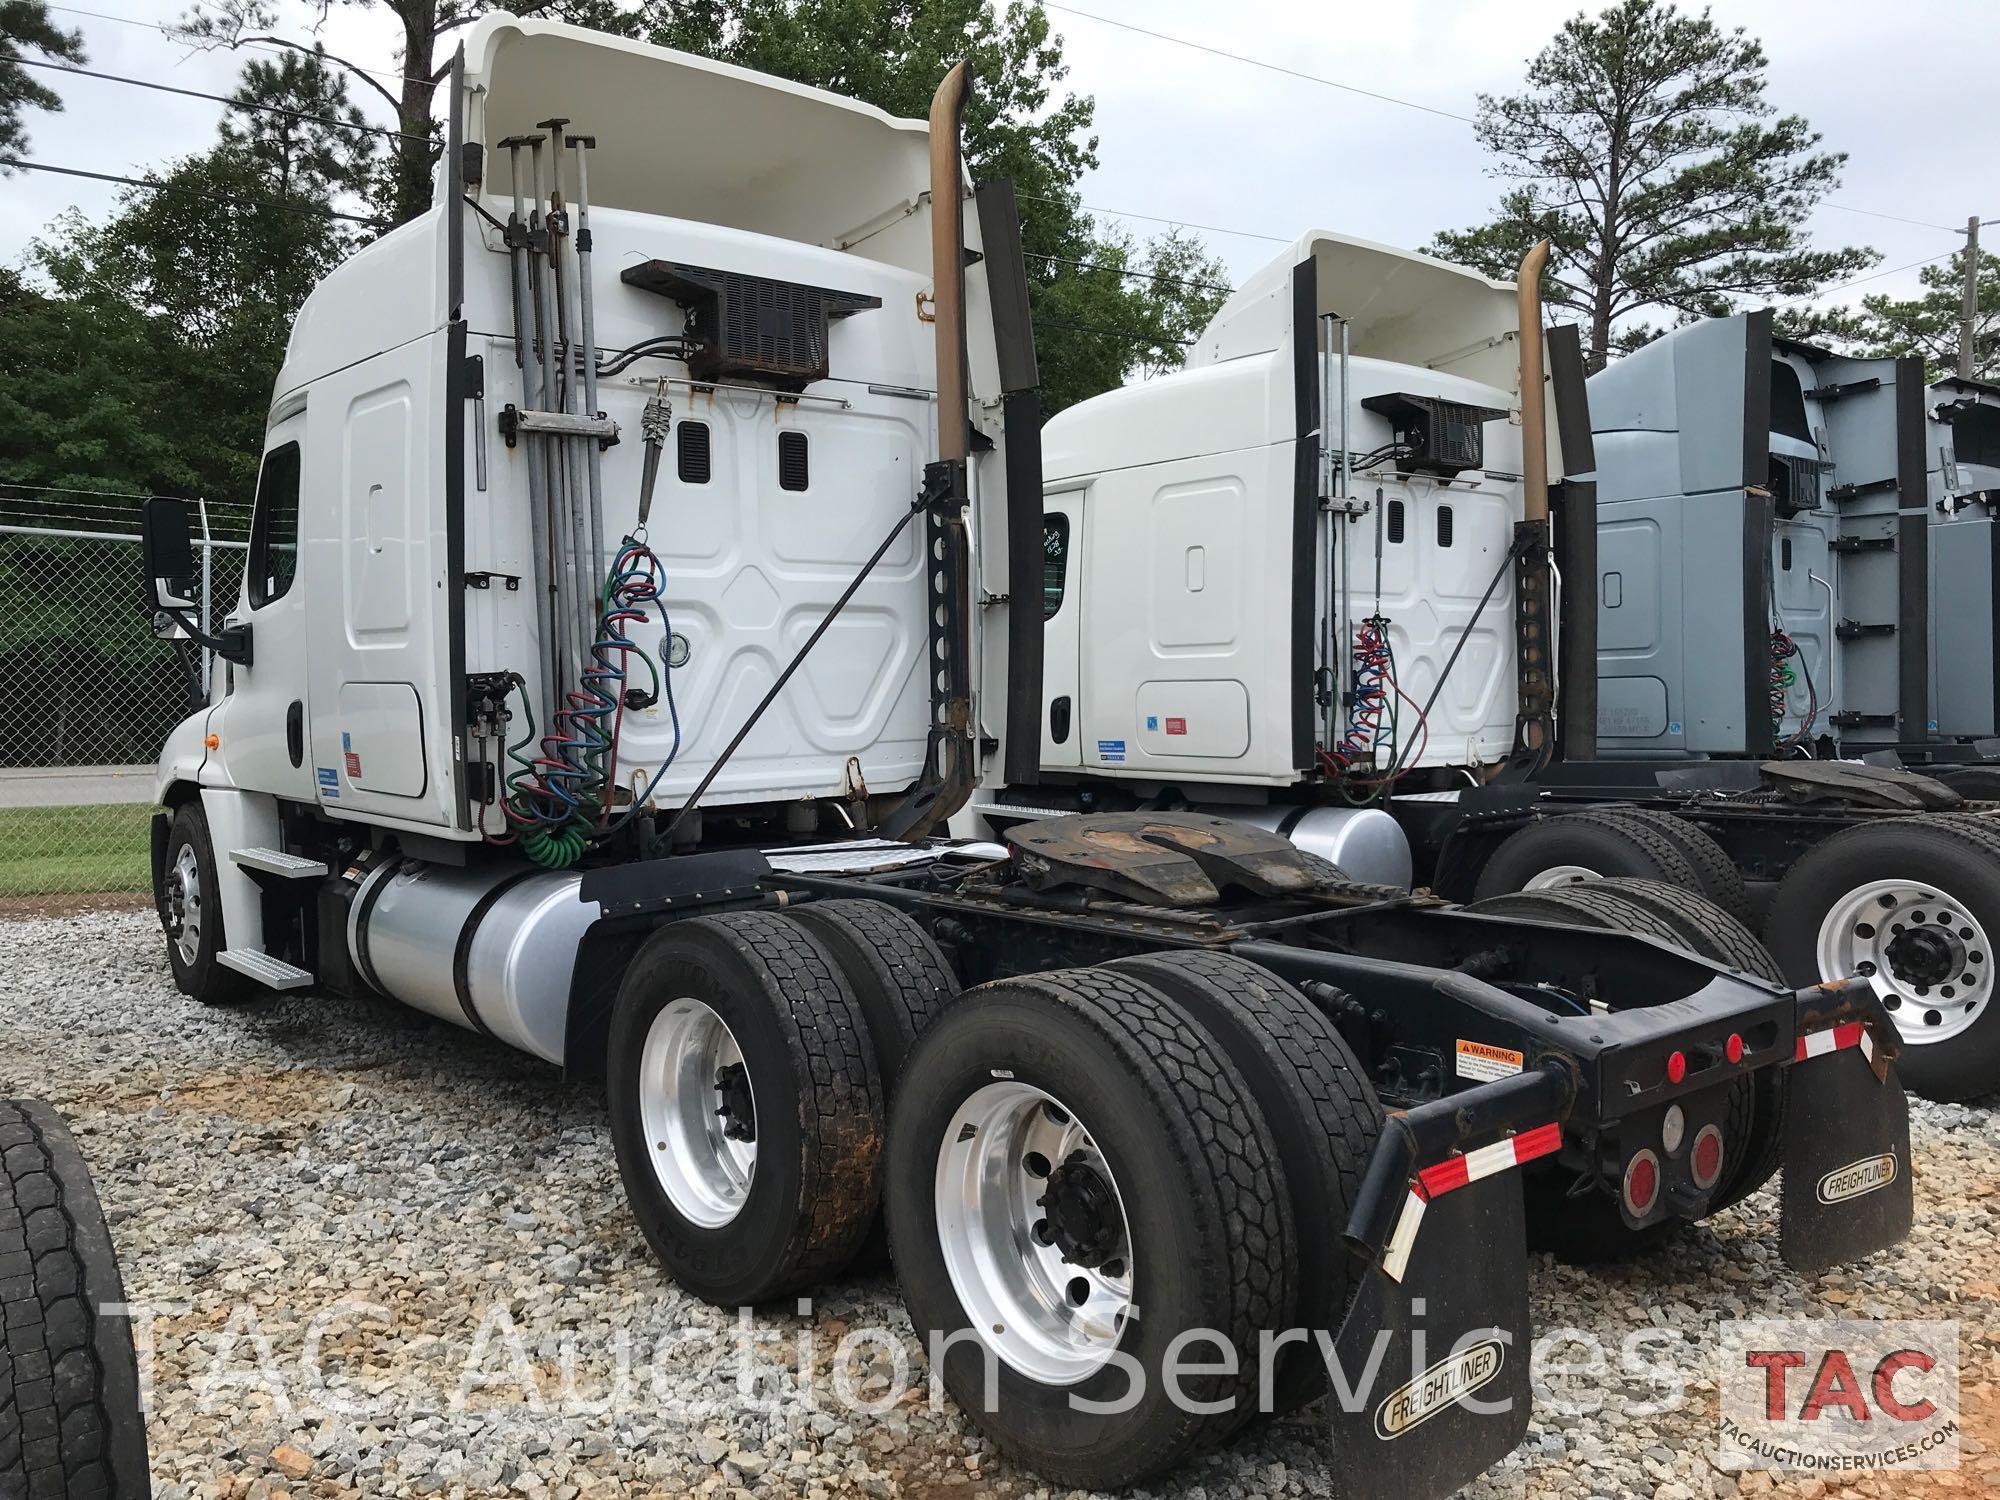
(648, 564)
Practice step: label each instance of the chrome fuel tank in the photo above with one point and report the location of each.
(488, 947)
(1365, 842)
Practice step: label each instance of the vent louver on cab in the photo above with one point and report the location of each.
(692, 455)
(793, 473)
(750, 327)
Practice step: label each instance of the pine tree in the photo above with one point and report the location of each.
(1927, 324)
(1645, 150)
(25, 27)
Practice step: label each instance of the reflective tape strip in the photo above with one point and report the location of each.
(1433, 1181)
(1819, 1043)
(1396, 1259)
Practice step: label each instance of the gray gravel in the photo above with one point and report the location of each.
(271, 1168)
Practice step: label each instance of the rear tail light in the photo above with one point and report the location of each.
(1705, 1162)
(1733, 1048)
(1642, 1184)
(1677, 1067)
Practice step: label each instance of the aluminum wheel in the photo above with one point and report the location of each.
(1034, 1233)
(184, 904)
(1924, 953)
(1556, 875)
(699, 1112)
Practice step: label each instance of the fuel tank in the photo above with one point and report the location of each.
(489, 947)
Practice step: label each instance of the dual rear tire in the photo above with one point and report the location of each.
(1179, 1135)
(1210, 1126)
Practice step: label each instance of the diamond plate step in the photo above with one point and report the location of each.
(273, 973)
(277, 862)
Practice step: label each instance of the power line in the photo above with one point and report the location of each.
(1827, 291)
(1119, 213)
(273, 109)
(1256, 62)
(1089, 265)
(1876, 214)
(172, 35)
(161, 187)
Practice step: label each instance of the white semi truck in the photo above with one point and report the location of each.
(648, 562)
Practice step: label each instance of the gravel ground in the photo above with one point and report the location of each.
(389, 1258)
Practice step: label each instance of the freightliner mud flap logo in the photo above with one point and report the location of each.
(1443, 1385)
(1430, 1376)
(1868, 1175)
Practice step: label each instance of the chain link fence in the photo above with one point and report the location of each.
(87, 694)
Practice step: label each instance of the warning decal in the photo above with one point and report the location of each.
(1485, 1062)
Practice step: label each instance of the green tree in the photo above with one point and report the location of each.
(1644, 149)
(25, 27)
(1927, 324)
(409, 85)
(156, 335)
(1104, 306)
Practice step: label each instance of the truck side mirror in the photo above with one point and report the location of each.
(168, 544)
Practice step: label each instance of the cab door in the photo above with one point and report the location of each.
(261, 724)
(382, 609)
(1062, 633)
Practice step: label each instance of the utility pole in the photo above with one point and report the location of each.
(1968, 307)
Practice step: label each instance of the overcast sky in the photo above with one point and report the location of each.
(1904, 88)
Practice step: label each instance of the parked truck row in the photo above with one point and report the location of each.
(658, 551)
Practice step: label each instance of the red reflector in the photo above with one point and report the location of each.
(1677, 1067)
(1642, 1184)
(1733, 1048)
(1707, 1161)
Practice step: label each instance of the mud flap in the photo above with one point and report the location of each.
(1847, 1160)
(1432, 1384)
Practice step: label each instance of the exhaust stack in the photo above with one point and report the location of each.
(1534, 419)
(948, 261)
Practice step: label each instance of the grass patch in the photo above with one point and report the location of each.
(51, 850)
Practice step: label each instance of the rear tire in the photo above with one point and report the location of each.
(1854, 901)
(1323, 1114)
(1202, 1237)
(735, 1022)
(70, 1424)
(1575, 848)
(902, 984)
(189, 899)
(896, 972)
(1716, 874)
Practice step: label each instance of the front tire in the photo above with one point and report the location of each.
(1913, 906)
(1174, 1204)
(189, 898)
(746, 1107)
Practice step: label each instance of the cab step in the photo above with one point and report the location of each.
(278, 862)
(272, 973)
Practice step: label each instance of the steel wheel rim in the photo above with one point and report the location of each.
(693, 1090)
(1054, 1320)
(184, 904)
(1561, 875)
(1925, 955)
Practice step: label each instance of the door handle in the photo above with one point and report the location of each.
(1059, 720)
(295, 732)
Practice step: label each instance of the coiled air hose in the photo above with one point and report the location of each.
(557, 800)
